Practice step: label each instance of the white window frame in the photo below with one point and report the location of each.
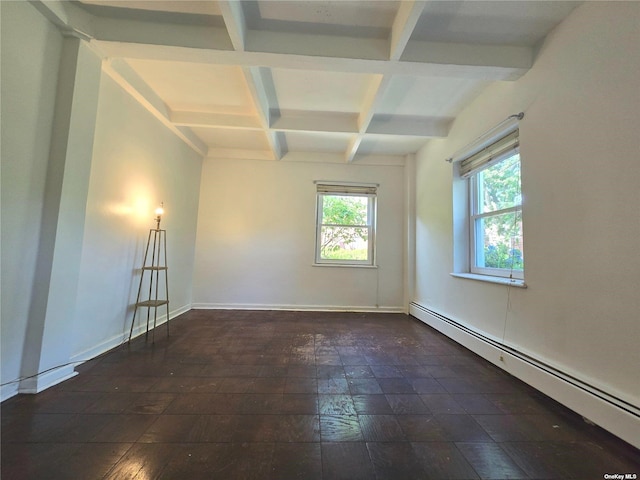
(476, 242)
(368, 191)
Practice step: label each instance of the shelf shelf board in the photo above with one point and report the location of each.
(152, 303)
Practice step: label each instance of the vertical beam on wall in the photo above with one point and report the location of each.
(409, 229)
(49, 339)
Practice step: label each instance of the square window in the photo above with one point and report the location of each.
(345, 224)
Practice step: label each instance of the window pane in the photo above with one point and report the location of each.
(499, 241)
(344, 243)
(499, 186)
(344, 210)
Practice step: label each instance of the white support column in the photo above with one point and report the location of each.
(52, 307)
(409, 229)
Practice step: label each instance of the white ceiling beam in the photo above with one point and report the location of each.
(439, 60)
(278, 144)
(128, 38)
(403, 26)
(497, 56)
(411, 126)
(239, 154)
(154, 33)
(234, 20)
(207, 119)
(259, 94)
(287, 43)
(352, 149)
(327, 157)
(189, 7)
(315, 122)
(70, 19)
(129, 80)
(377, 89)
(389, 160)
(263, 94)
(313, 157)
(374, 96)
(119, 68)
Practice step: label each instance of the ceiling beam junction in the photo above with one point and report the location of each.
(376, 92)
(263, 94)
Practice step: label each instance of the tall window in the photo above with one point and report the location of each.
(495, 220)
(345, 224)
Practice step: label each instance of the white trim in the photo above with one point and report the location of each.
(594, 404)
(120, 338)
(348, 265)
(370, 226)
(345, 184)
(476, 242)
(513, 282)
(296, 308)
(8, 391)
(42, 381)
(504, 128)
(93, 352)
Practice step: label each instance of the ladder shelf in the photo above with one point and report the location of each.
(156, 252)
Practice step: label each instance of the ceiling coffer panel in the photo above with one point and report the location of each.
(324, 80)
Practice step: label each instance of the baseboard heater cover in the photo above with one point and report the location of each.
(602, 408)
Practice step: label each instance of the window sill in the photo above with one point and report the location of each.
(342, 265)
(512, 282)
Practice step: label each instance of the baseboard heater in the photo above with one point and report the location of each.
(596, 405)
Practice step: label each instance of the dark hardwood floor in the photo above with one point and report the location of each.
(299, 395)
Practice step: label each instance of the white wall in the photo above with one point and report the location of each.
(256, 234)
(137, 163)
(80, 195)
(31, 49)
(581, 183)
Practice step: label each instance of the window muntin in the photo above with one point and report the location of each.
(345, 233)
(496, 219)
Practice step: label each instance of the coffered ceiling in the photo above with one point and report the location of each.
(330, 81)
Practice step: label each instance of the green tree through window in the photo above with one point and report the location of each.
(345, 224)
(497, 218)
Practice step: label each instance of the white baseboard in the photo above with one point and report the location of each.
(47, 379)
(607, 411)
(120, 338)
(52, 377)
(8, 391)
(309, 308)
